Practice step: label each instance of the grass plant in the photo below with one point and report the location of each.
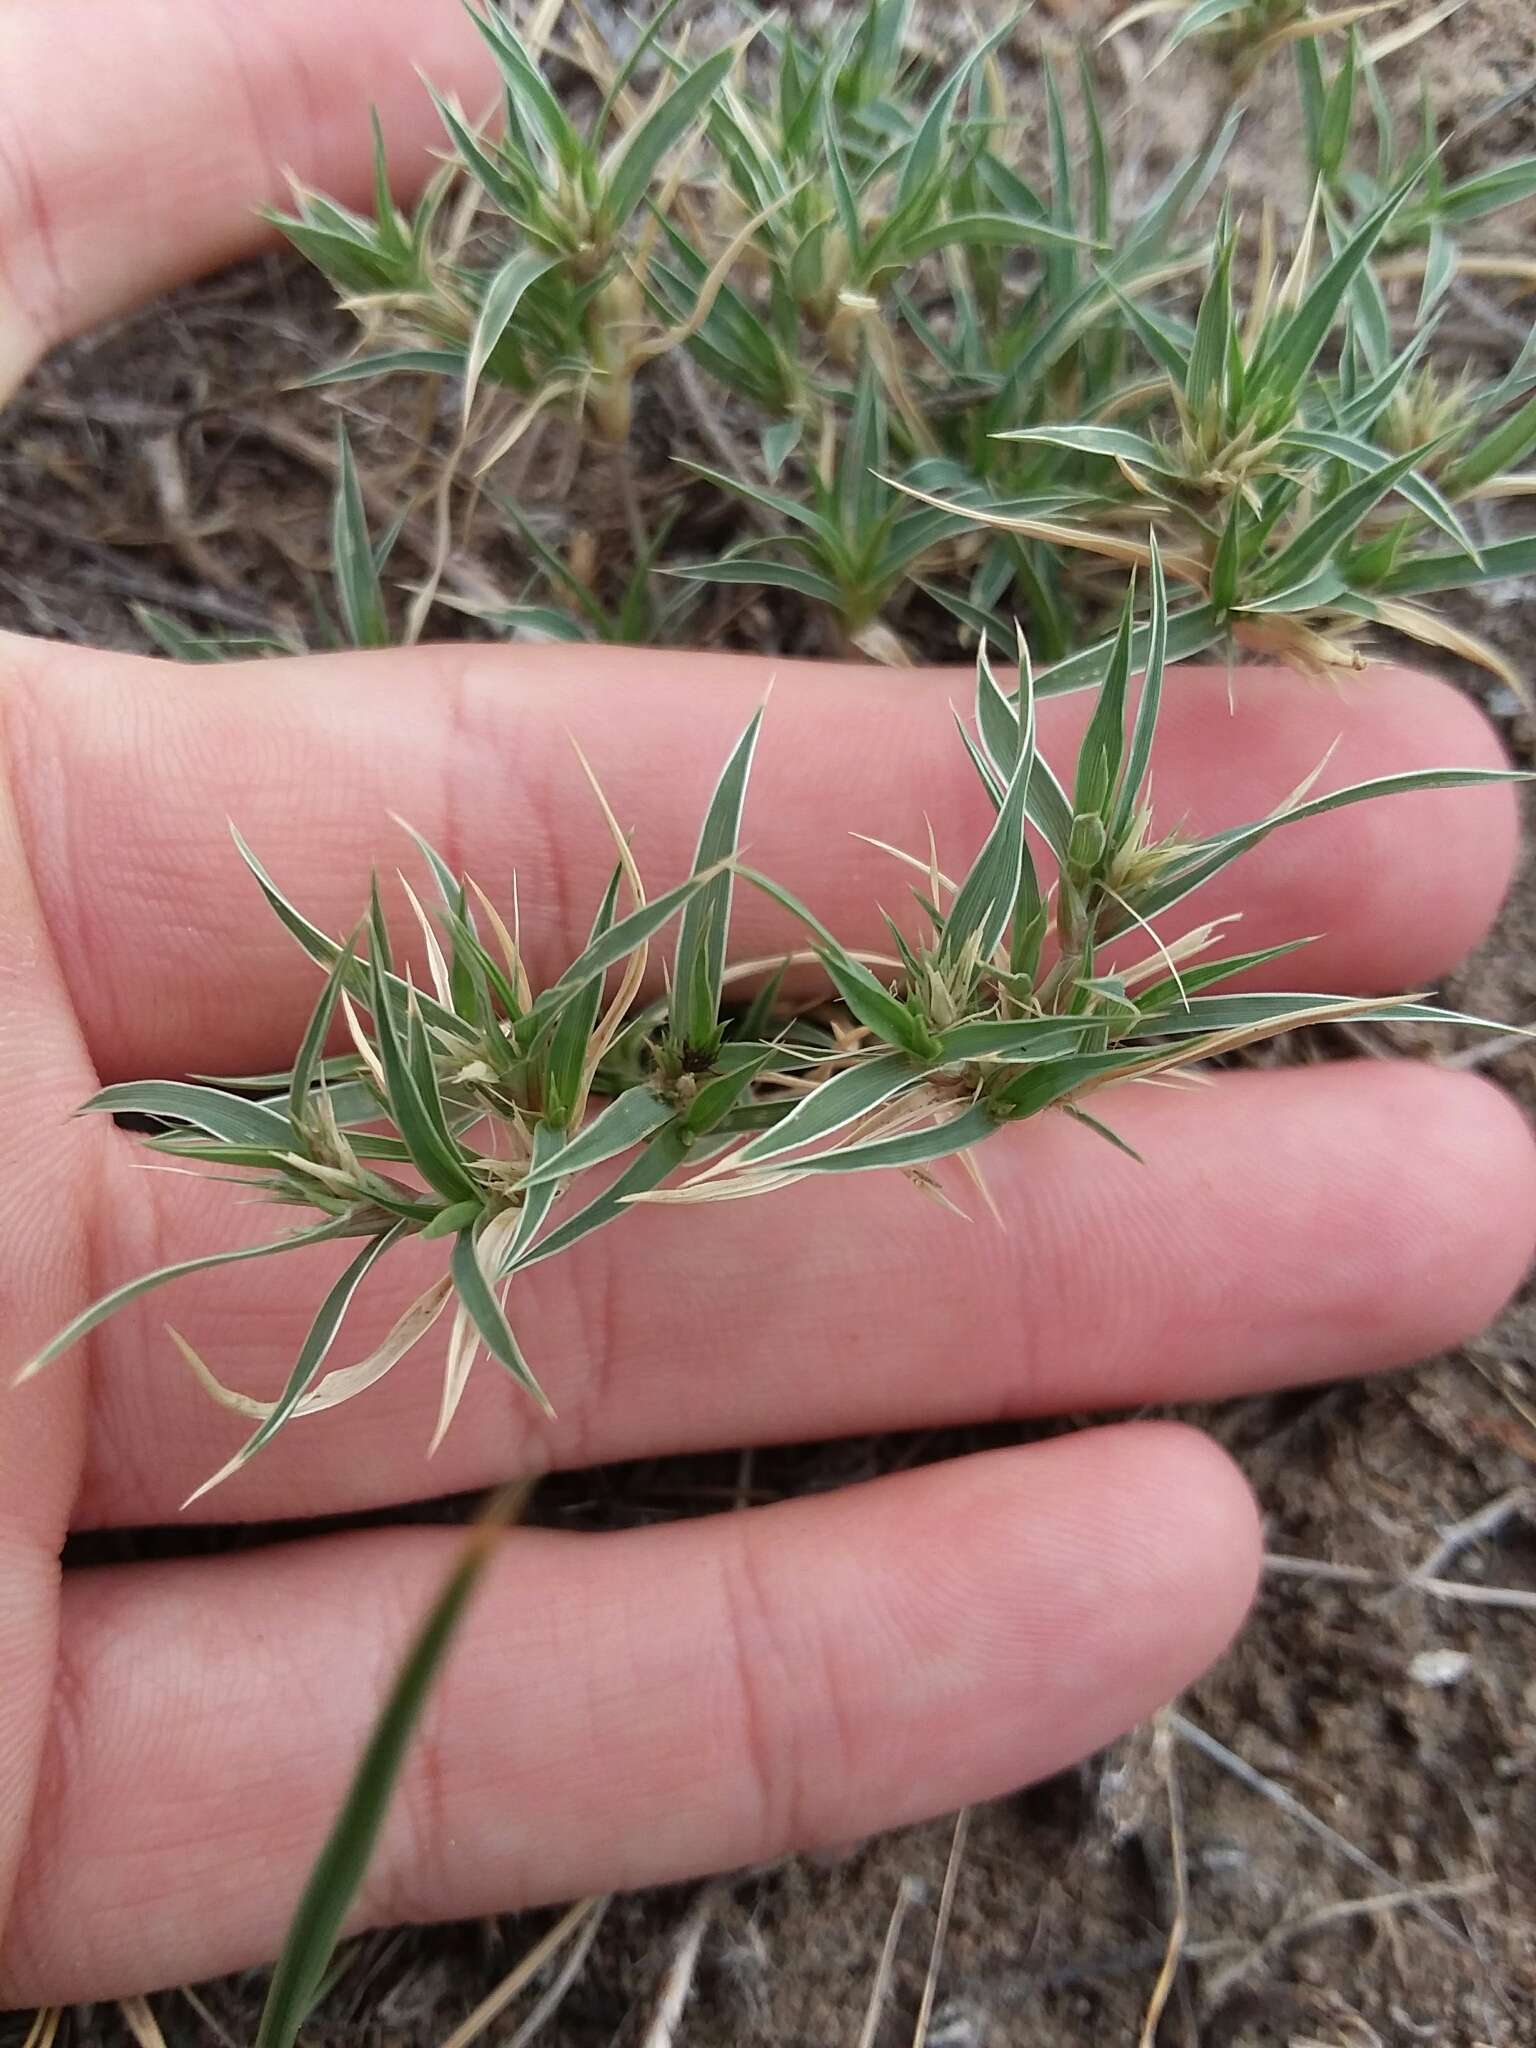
(468, 1110)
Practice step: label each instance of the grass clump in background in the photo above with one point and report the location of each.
(888, 329)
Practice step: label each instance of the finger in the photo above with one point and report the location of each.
(46, 1278)
(622, 1709)
(127, 778)
(1286, 1226)
(136, 143)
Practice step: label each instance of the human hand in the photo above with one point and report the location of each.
(174, 1737)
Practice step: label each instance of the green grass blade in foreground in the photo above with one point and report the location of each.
(530, 96)
(662, 1152)
(1236, 1013)
(873, 1004)
(1008, 729)
(339, 1870)
(442, 362)
(721, 1094)
(498, 309)
(1143, 732)
(1102, 750)
(565, 1058)
(1207, 378)
(1294, 345)
(1460, 571)
(1503, 449)
(537, 1196)
(435, 1152)
(1116, 442)
(1333, 522)
(312, 1047)
(1009, 1038)
(985, 900)
(1037, 1088)
(838, 1102)
(763, 569)
(324, 950)
(630, 171)
(997, 723)
(908, 1148)
(1190, 633)
(503, 180)
(614, 945)
(1173, 992)
(1417, 490)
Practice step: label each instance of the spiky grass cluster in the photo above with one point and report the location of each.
(951, 386)
(463, 1110)
(968, 393)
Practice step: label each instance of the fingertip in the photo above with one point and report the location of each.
(1134, 1552)
(1194, 1540)
(1399, 888)
(1448, 723)
(1474, 1162)
(1452, 852)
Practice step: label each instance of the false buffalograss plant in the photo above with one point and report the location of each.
(887, 272)
(895, 293)
(1286, 495)
(510, 1122)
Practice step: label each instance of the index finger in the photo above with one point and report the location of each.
(128, 773)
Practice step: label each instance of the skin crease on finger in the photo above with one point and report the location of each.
(799, 1675)
(127, 812)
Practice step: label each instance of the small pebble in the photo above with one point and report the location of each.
(1439, 1667)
